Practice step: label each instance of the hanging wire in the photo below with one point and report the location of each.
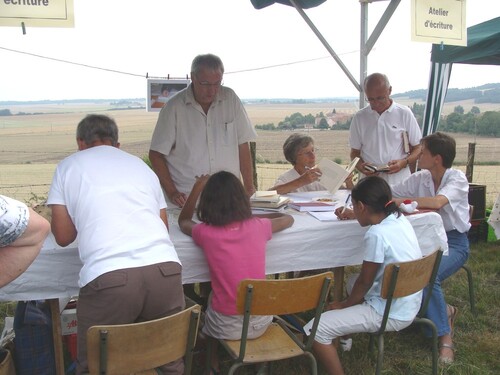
(71, 62)
(158, 77)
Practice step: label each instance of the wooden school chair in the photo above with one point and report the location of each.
(401, 280)
(138, 347)
(276, 297)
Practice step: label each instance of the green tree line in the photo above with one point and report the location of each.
(472, 122)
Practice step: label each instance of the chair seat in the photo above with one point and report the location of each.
(273, 345)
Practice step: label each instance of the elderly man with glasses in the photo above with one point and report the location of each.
(384, 135)
(203, 129)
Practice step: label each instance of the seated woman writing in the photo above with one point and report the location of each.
(305, 175)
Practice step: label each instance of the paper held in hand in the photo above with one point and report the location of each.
(333, 174)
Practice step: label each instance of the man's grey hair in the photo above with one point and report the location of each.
(97, 128)
(377, 78)
(206, 61)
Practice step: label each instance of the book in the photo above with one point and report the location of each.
(378, 168)
(406, 143)
(265, 196)
(334, 174)
(263, 204)
(311, 206)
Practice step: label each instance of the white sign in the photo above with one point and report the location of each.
(439, 21)
(37, 13)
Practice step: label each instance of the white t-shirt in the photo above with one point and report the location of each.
(454, 186)
(14, 218)
(114, 200)
(195, 143)
(393, 240)
(380, 137)
(291, 175)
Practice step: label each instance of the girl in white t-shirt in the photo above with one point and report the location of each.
(234, 243)
(389, 239)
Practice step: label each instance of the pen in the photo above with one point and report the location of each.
(345, 205)
(308, 168)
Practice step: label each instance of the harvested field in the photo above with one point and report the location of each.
(31, 145)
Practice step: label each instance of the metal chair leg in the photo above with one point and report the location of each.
(472, 300)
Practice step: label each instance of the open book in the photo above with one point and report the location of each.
(334, 174)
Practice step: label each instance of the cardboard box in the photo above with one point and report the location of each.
(69, 323)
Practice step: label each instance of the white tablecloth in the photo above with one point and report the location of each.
(308, 244)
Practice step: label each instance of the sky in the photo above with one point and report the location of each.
(267, 53)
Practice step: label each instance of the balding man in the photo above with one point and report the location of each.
(384, 133)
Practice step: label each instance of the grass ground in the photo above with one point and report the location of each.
(477, 338)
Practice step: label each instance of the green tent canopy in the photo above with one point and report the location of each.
(483, 48)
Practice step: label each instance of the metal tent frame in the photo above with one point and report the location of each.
(366, 42)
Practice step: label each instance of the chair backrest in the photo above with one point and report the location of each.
(412, 276)
(282, 296)
(130, 348)
(405, 278)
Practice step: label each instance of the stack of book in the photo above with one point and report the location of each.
(268, 200)
(311, 206)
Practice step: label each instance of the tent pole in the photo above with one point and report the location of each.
(366, 44)
(327, 46)
(363, 53)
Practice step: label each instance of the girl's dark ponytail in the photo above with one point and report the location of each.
(375, 192)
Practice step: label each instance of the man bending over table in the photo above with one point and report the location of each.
(114, 203)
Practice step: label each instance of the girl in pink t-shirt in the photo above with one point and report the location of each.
(234, 243)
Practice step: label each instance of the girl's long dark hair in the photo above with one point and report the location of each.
(375, 192)
(223, 200)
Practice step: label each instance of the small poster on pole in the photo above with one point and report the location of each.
(161, 90)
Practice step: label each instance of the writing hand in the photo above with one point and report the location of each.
(345, 214)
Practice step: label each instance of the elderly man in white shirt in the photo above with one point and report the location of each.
(379, 132)
(203, 129)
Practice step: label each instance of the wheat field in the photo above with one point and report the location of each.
(32, 145)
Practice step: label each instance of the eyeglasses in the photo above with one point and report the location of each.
(206, 84)
(377, 99)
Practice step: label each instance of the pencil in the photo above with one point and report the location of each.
(345, 205)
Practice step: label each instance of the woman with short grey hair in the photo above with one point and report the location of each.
(305, 175)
